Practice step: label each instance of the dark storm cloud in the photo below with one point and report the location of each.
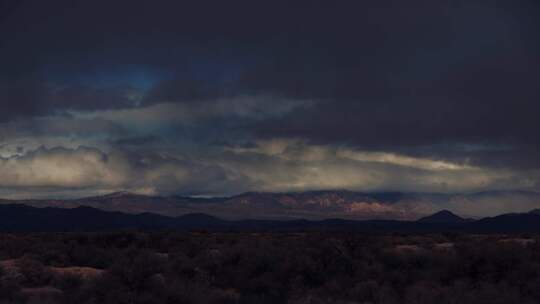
(20, 99)
(29, 97)
(428, 75)
(81, 97)
(452, 80)
(137, 141)
(185, 90)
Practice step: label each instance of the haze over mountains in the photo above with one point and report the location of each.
(312, 205)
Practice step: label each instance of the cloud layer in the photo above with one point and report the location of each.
(211, 98)
(277, 166)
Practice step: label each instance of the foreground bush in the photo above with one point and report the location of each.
(268, 268)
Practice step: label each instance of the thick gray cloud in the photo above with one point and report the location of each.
(269, 166)
(94, 171)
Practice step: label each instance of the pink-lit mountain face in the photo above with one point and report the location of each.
(309, 205)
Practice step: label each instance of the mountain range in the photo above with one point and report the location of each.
(23, 218)
(311, 205)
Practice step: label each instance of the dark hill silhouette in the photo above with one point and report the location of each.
(18, 217)
(443, 216)
(22, 218)
(508, 223)
(535, 211)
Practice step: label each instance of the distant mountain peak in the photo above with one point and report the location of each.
(443, 216)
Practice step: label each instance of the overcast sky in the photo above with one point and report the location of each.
(222, 97)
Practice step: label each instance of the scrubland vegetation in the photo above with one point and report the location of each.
(137, 267)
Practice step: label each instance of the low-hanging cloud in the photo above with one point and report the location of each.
(94, 171)
(285, 165)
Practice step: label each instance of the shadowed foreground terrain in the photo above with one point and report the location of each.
(202, 267)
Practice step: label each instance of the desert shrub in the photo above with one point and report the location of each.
(34, 273)
(309, 267)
